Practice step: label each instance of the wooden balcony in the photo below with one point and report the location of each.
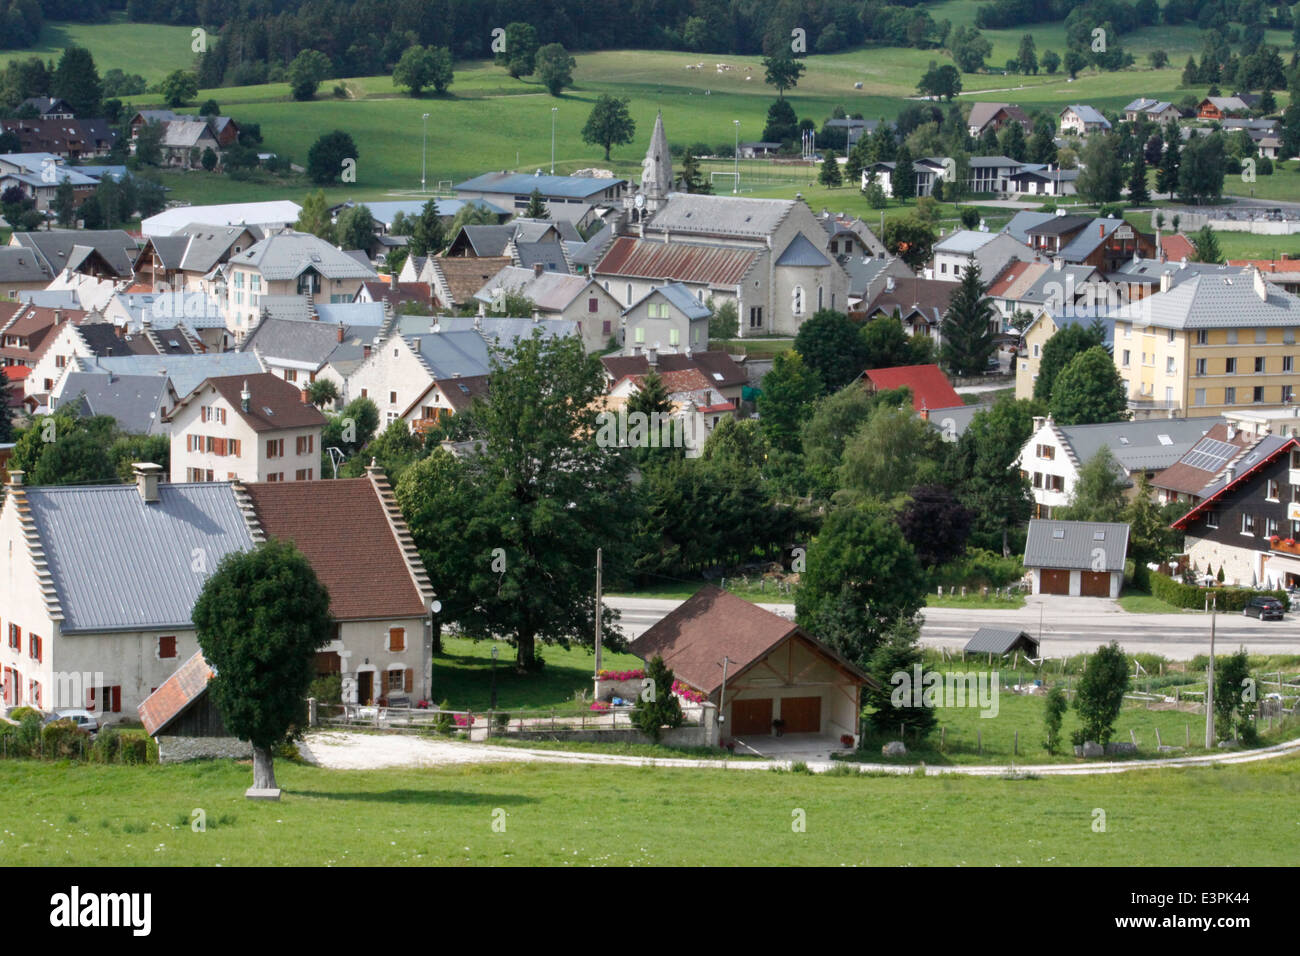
(1284, 545)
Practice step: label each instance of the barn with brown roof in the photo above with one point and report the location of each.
(766, 675)
(182, 718)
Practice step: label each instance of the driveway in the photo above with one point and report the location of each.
(350, 751)
(805, 747)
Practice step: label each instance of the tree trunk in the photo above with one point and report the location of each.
(525, 645)
(263, 769)
(437, 635)
(607, 152)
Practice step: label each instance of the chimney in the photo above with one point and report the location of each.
(16, 479)
(245, 397)
(1101, 230)
(1166, 281)
(1038, 422)
(1261, 287)
(306, 399)
(340, 332)
(365, 351)
(889, 283)
(537, 269)
(392, 281)
(1057, 264)
(146, 480)
(478, 321)
(652, 356)
(58, 315)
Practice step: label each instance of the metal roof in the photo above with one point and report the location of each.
(679, 297)
(1140, 445)
(452, 354)
(187, 372)
(721, 215)
(714, 265)
(964, 241)
(134, 401)
(1080, 545)
(802, 253)
(160, 554)
(1089, 114)
(276, 213)
(522, 184)
(289, 254)
(1000, 640)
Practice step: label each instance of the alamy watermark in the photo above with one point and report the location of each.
(922, 688)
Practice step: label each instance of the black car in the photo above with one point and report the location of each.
(1264, 608)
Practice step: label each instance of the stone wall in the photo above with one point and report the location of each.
(178, 749)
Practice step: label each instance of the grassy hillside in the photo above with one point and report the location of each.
(149, 49)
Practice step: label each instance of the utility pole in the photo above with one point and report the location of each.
(1209, 682)
(598, 570)
(424, 154)
(735, 175)
(554, 110)
(722, 695)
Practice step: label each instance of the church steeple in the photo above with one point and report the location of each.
(657, 168)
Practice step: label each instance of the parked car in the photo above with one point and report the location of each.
(82, 718)
(1264, 608)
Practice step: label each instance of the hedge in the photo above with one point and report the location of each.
(1179, 594)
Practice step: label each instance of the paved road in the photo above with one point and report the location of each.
(1069, 626)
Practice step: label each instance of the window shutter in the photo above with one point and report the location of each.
(117, 700)
(409, 680)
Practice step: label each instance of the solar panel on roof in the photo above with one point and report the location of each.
(1210, 454)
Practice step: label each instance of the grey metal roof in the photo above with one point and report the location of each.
(1076, 545)
(289, 254)
(801, 252)
(187, 372)
(21, 265)
(501, 332)
(153, 551)
(118, 248)
(352, 313)
(1089, 238)
(1089, 114)
(1141, 445)
(964, 241)
(135, 401)
(594, 247)
(953, 422)
(680, 297)
(1023, 221)
(522, 184)
(164, 310)
(999, 640)
(306, 343)
(550, 292)
(1216, 301)
(549, 255)
(451, 354)
(721, 215)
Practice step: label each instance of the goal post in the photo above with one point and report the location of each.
(733, 178)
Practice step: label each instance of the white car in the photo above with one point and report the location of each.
(82, 718)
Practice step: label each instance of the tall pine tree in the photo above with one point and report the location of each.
(968, 326)
(1137, 182)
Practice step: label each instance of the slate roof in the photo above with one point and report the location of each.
(1222, 301)
(449, 354)
(549, 255)
(550, 292)
(1142, 445)
(964, 241)
(564, 187)
(1000, 640)
(185, 685)
(287, 255)
(135, 401)
(56, 246)
(1024, 221)
(930, 387)
(1089, 115)
(955, 420)
(716, 266)
(927, 297)
(695, 636)
(186, 372)
(721, 215)
(802, 253)
(308, 345)
(149, 547)
(355, 554)
(591, 251)
(22, 265)
(1077, 544)
(497, 331)
(1089, 238)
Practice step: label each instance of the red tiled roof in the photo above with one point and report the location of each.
(177, 692)
(713, 624)
(16, 373)
(341, 527)
(1177, 246)
(930, 387)
(1014, 270)
(676, 261)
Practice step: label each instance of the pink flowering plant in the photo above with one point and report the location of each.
(600, 706)
(687, 693)
(620, 675)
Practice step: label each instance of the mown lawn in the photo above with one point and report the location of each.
(594, 816)
(150, 49)
(462, 676)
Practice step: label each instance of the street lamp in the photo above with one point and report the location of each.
(735, 175)
(424, 153)
(493, 705)
(554, 110)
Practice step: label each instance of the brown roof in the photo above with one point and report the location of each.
(274, 403)
(713, 624)
(177, 692)
(465, 275)
(676, 261)
(929, 297)
(1188, 479)
(721, 363)
(381, 291)
(459, 392)
(343, 530)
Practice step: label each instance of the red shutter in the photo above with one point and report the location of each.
(408, 681)
(117, 700)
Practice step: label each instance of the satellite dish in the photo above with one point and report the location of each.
(435, 607)
(640, 200)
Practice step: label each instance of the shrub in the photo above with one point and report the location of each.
(1175, 592)
(134, 749)
(20, 712)
(106, 745)
(327, 690)
(442, 724)
(1053, 714)
(977, 568)
(28, 737)
(8, 740)
(663, 709)
(63, 738)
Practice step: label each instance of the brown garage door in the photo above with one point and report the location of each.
(1055, 581)
(1095, 584)
(751, 717)
(802, 715)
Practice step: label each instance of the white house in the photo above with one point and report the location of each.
(246, 428)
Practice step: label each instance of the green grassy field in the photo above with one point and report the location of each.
(149, 49)
(596, 816)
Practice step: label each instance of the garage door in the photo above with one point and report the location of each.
(1055, 581)
(1095, 584)
(802, 715)
(749, 717)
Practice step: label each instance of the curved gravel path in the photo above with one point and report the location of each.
(340, 750)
